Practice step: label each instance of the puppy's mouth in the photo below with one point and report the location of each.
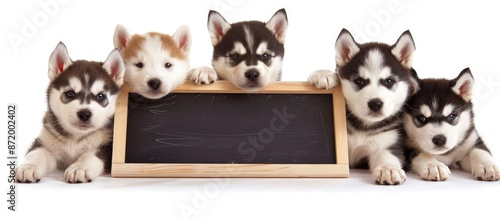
(150, 92)
(155, 94)
(252, 86)
(438, 150)
(83, 126)
(375, 116)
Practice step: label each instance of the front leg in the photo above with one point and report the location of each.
(429, 168)
(323, 79)
(481, 164)
(203, 75)
(386, 168)
(85, 169)
(37, 164)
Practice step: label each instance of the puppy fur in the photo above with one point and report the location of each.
(439, 123)
(155, 63)
(376, 83)
(78, 125)
(249, 54)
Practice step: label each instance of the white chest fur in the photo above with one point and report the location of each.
(460, 152)
(67, 150)
(363, 143)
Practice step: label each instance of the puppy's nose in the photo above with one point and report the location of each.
(154, 84)
(375, 104)
(252, 74)
(84, 115)
(439, 140)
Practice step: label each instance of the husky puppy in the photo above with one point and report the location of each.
(78, 125)
(155, 63)
(441, 133)
(376, 82)
(249, 54)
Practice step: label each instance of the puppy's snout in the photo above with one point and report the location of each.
(252, 74)
(84, 115)
(439, 140)
(154, 84)
(375, 104)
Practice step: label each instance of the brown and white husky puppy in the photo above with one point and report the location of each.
(156, 63)
(78, 126)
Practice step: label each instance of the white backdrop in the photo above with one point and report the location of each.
(449, 36)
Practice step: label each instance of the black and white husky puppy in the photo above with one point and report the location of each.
(441, 133)
(376, 82)
(249, 54)
(78, 125)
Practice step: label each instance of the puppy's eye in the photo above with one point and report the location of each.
(168, 65)
(70, 94)
(266, 57)
(139, 65)
(234, 57)
(100, 97)
(359, 81)
(451, 118)
(421, 119)
(389, 82)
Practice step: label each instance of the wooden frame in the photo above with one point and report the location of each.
(341, 169)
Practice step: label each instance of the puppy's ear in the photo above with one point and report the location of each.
(415, 82)
(121, 37)
(278, 25)
(182, 38)
(59, 60)
(217, 26)
(463, 85)
(404, 48)
(345, 48)
(115, 66)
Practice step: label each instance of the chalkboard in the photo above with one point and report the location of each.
(288, 129)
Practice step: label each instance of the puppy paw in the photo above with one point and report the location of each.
(389, 175)
(202, 75)
(486, 172)
(323, 79)
(435, 171)
(29, 173)
(77, 173)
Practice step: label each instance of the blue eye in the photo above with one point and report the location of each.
(421, 119)
(266, 57)
(70, 94)
(451, 118)
(235, 57)
(100, 97)
(359, 81)
(389, 82)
